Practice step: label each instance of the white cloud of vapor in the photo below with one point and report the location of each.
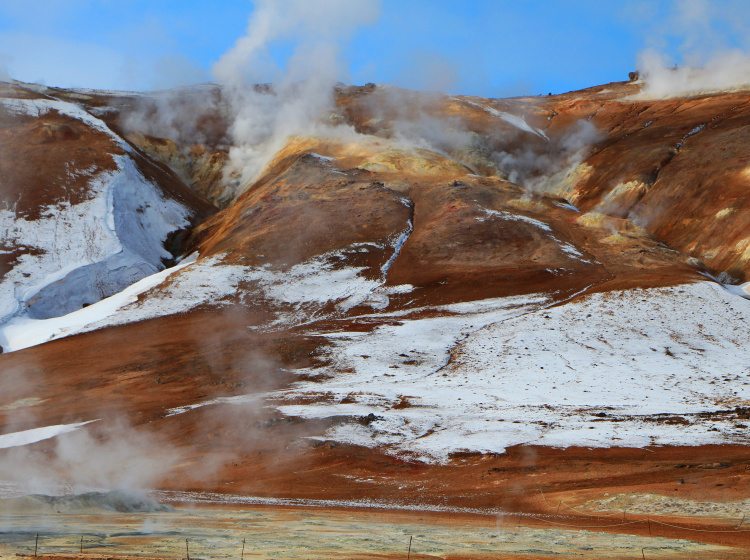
(301, 92)
(537, 166)
(109, 455)
(711, 43)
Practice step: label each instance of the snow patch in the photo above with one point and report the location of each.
(632, 368)
(27, 437)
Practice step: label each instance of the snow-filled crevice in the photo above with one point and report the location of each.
(400, 239)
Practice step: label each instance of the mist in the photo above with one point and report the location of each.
(101, 455)
(187, 115)
(723, 71)
(513, 149)
(535, 166)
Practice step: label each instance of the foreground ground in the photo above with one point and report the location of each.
(295, 532)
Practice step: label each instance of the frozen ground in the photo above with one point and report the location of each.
(633, 368)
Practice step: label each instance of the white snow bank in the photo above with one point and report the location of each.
(26, 437)
(631, 368)
(23, 332)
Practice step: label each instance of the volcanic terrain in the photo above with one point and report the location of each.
(533, 308)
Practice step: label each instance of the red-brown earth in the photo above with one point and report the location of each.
(662, 201)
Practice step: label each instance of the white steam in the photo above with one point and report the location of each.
(712, 45)
(724, 71)
(188, 115)
(533, 166)
(521, 153)
(101, 456)
(264, 117)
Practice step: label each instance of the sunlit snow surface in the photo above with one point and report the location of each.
(26, 437)
(632, 368)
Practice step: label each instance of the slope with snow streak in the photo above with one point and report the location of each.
(632, 368)
(296, 296)
(518, 121)
(78, 253)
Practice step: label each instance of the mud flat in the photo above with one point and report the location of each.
(298, 532)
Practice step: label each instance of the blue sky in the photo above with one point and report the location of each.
(481, 47)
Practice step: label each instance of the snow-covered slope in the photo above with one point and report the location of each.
(630, 368)
(73, 254)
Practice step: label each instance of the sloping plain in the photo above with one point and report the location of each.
(344, 303)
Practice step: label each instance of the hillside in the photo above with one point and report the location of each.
(416, 299)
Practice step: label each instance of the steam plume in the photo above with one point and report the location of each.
(302, 92)
(108, 456)
(712, 45)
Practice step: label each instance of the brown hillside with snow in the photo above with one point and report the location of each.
(418, 299)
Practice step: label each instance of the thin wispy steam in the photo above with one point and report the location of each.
(302, 93)
(534, 166)
(190, 115)
(724, 71)
(106, 456)
(514, 150)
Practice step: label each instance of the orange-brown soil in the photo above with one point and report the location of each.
(687, 196)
